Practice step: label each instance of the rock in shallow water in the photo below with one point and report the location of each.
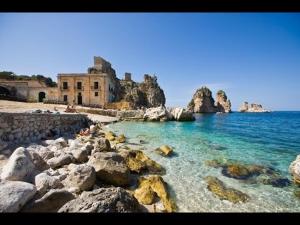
(294, 169)
(103, 200)
(225, 193)
(164, 150)
(14, 195)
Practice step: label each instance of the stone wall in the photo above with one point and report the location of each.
(29, 127)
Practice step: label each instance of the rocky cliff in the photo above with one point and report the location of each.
(203, 102)
(145, 94)
(246, 107)
(222, 103)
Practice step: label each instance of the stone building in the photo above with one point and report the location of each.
(27, 90)
(96, 87)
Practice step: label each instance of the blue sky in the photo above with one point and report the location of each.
(254, 57)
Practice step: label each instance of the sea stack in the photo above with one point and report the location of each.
(203, 102)
(246, 107)
(222, 103)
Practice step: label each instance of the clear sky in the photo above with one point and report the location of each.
(254, 57)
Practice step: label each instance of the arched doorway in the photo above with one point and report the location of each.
(79, 99)
(4, 92)
(42, 95)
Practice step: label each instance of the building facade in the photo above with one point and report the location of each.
(95, 88)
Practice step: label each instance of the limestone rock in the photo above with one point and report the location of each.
(59, 161)
(38, 161)
(181, 114)
(61, 142)
(81, 154)
(19, 166)
(82, 177)
(14, 195)
(45, 182)
(52, 201)
(110, 167)
(157, 114)
(110, 136)
(245, 107)
(103, 200)
(121, 138)
(222, 103)
(164, 150)
(45, 153)
(103, 144)
(152, 186)
(294, 169)
(224, 193)
(202, 102)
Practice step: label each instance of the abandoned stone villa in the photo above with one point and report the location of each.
(96, 87)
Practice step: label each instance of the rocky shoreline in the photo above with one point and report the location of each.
(93, 171)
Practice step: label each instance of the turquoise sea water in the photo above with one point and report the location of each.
(271, 139)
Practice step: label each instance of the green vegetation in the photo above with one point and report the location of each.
(12, 76)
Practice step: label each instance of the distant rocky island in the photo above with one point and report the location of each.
(246, 107)
(203, 102)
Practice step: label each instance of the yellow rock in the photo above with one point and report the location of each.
(164, 150)
(224, 193)
(110, 136)
(157, 185)
(138, 162)
(121, 138)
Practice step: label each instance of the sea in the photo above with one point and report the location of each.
(269, 139)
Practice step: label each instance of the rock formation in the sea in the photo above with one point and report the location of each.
(203, 102)
(295, 170)
(245, 107)
(222, 103)
(145, 94)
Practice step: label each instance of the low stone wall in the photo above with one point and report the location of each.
(102, 112)
(28, 127)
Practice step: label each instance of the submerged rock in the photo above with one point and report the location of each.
(103, 200)
(152, 186)
(164, 150)
(110, 167)
(14, 195)
(217, 187)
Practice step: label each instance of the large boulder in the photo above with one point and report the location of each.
(223, 192)
(103, 200)
(45, 153)
(52, 201)
(110, 167)
(61, 160)
(222, 103)
(202, 102)
(294, 169)
(103, 144)
(39, 163)
(19, 166)
(45, 182)
(181, 114)
(157, 114)
(14, 195)
(152, 186)
(82, 177)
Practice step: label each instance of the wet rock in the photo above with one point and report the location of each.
(274, 180)
(103, 200)
(217, 187)
(152, 186)
(82, 177)
(110, 167)
(59, 161)
(19, 166)
(215, 163)
(52, 201)
(294, 170)
(164, 150)
(121, 138)
(14, 195)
